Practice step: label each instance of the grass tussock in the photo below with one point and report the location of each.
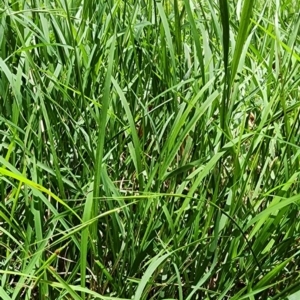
(149, 149)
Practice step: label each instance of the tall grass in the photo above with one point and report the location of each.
(149, 149)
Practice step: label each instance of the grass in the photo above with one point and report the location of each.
(149, 149)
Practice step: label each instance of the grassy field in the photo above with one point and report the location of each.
(149, 149)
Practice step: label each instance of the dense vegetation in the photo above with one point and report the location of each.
(149, 149)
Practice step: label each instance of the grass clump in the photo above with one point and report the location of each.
(149, 150)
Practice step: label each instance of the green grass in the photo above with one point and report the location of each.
(149, 149)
